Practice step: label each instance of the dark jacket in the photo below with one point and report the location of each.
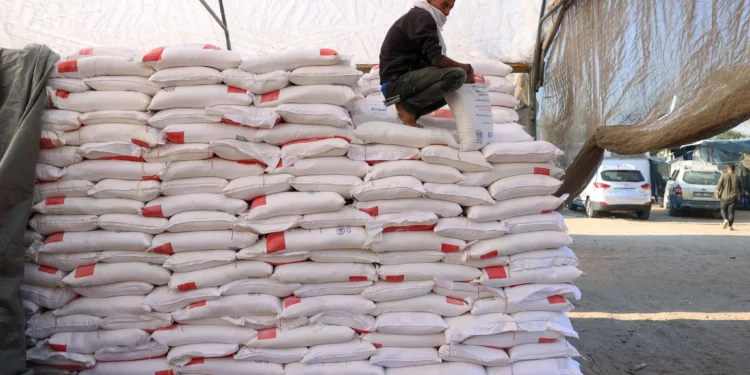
(729, 187)
(412, 43)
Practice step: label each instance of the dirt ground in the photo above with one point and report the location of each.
(673, 293)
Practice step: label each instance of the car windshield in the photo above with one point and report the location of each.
(702, 177)
(622, 176)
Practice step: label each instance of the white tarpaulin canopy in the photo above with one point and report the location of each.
(498, 29)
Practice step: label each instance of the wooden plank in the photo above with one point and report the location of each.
(517, 68)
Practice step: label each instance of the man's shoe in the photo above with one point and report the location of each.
(726, 224)
(731, 228)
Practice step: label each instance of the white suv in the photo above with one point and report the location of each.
(620, 188)
(692, 188)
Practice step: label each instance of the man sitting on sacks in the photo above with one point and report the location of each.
(414, 71)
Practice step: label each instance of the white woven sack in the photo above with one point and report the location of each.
(50, 140)
(178, 335)
(256, 83)
(324, 166)
(347, 216)
(502, 276)
(67, 84)
(97, 170)
(124, 288)
(114, 117)
(266, 226)
(285, 133)
(559, 349)
(462, 258)
(296, 307)
(50, 298)
(108, 273)
(173, 116)
(30, 308)
(277, 259)
(90, 342)
(198, 260)
(523, 186)
(343, 256)
(86, 206)
(360, 323)
(241, 115)
(116, 150)
(140, 135)
(200, 96)
(122, 83)
(374, 153)
(522, 293)
(48, 173)
(524, 152)
(259, 285)
(442, 118)
(237, 305)
(406, 257)
(491, 68)
(314, 114)
(471, 161)
(355, 350)
(515, 207)
(282, 356)
(511, 133)
(294, 203)
(169, 206)
(397, 134)
(132, 223)
(471, 107)
(145, 366)
(371, 108)
(148, 322)
(191, 55)
(229, 366)
(439, 369)
(95, 241)
(45, 325)
(312, 148)
(405, 357)
(389, 340)
(478, 355)
(416, 241)
(338, 368)
(93, 66)
(503, 100)
(65, 262)
(339, 184)
(289, 60)
(186, 76)
(462, 290)
(312, 273)
(499, 84)
(510, 244)
(165, 300)
(205, 278)
(182, 355)
(196, 185)
(505, 170)
(60, 120)
(536, 223)
(401, 222)
(420, 170)
(113, 256)
(341, 96)
(214, 167)
(463, 195)
(60, 157)
(142, 191)
(466, 326)
(89, 101)
(170, 243)
(150, 349)
(200, 221)
(510, 339)
(42, 275)
(342, 74)
(410, 323)
(247, 152)
(328, 290)
(438, 207)
(49, 224)
(29, 236)
(501, 305)
(551, 366)
(311, 335)
(467, 230)
(398, 187)
(427, 271)
(177, 152)
(432, 303)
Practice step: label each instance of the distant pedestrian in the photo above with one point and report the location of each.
(729, 190)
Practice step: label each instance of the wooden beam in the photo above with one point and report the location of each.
(517, 68)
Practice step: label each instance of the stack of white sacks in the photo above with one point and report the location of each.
(245, 226)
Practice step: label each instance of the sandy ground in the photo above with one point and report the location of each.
(673, 293)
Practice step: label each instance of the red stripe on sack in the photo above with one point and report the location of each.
(123, 158)
(489, 255)
(275, 242)
(196, 361)
(362, 331)
(544, 171)
(372, 211)
(478, 78)
(176, 137)
(553, 300)
(57, 237)
(442, 113)
(54, 201)
(197, 304)
(267, 334)
(47, 269)
(139, 142)
(251, 162)
(85, 271)
(46, 144)
(190, 286)
(153, 177)
(279, 164)
(410, 228)
(454, 301)
(62, 94)
(376, 345)
(257, 202)
(58, 347)
(166, 372)
(373, 162)
(230, 122)
(152, 211)
(291, 301)
(170, 328)
(358, 278)
(270, 97)
(235, 90)
(86, 51)
(70, 66)
(328, 52)
(154, 55)
(546, 341)
(496, 272)
(394, 278)
(210, 46)
(548, 211)
(447, 248)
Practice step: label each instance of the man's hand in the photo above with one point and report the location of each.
(469, 73)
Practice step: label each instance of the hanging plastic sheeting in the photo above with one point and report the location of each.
(23, 75)
(635, 76)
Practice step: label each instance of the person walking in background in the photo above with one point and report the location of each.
(729, 190)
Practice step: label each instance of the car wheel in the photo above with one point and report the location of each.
(644, 215)
(590, 209)
(674, 212)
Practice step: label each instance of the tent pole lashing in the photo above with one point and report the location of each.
(222, 22)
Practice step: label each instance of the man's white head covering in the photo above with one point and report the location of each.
(438, 16)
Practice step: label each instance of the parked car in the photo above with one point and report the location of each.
(617, 188)
(692, 187)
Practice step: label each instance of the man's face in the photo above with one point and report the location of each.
(444, 6)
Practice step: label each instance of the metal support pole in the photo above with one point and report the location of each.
(535, 74)
(221, 22)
